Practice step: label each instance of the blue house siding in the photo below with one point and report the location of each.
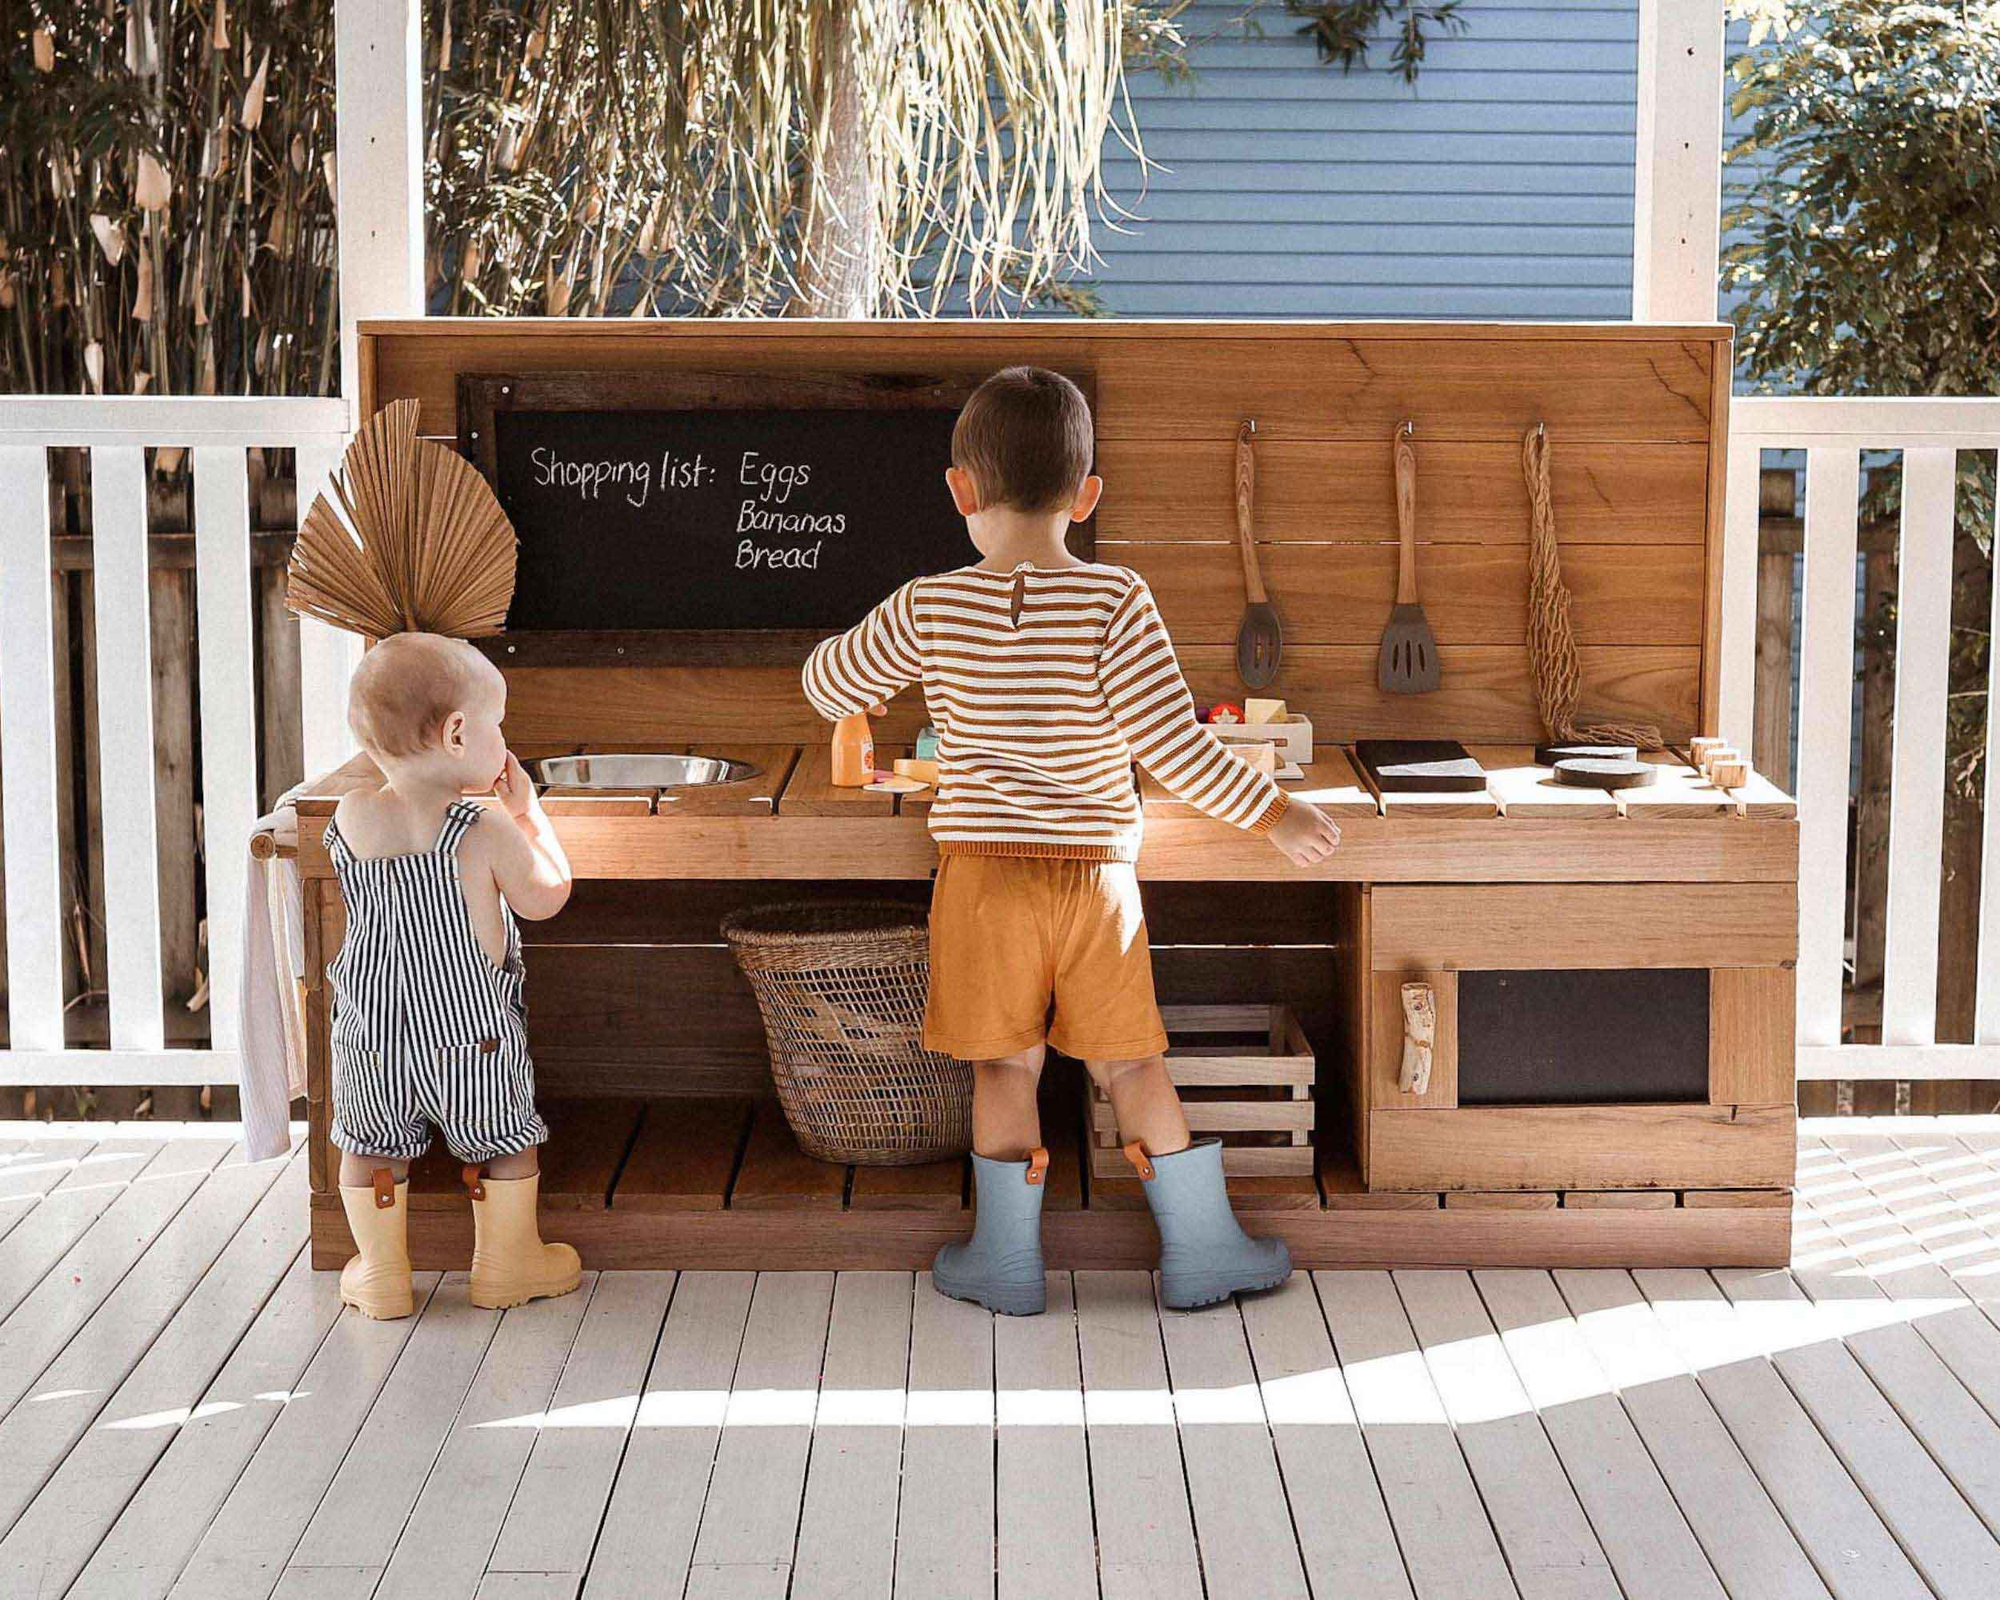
(1500, 186)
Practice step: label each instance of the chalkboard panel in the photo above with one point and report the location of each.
(1583, 1037)
(658, 512)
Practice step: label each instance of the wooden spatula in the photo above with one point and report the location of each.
(1409, 662)
(1260, 640)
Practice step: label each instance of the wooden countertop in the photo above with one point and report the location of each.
(790, 821)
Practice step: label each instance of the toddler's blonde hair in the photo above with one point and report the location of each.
(407, 685)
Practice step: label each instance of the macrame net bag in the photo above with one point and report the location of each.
(412, 540)
(1551, 641)
(842, 988)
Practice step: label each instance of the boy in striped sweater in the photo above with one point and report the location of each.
(1045, 677)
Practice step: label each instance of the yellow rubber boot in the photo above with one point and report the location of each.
(377, 1281)
(510, 1264)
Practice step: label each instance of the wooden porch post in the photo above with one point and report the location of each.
(379, 191)
(1677, 188)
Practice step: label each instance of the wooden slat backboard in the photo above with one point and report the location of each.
(1637, 415)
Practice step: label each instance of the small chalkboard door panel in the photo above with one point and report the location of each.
(1585, 994)
(1583, 1036)
(695, 517)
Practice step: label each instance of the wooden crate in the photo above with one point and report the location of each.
(1246, 1075)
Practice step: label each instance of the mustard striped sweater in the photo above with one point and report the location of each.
(1043, 684)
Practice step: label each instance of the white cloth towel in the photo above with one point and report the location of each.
(272, 1022)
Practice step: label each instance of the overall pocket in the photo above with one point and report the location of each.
(486, 1089)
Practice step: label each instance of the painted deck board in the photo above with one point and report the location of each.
(1449, 1546)
(189, 1413)
(1045, 1542)
(94, 1451)
(944, 1537)
(847, 1530)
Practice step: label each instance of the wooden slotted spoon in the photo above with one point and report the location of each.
(1409, 660)
(1260, 639)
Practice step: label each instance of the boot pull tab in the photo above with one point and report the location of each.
(469, 1175)
(384, 1181)
(1135, 1152)
(1038, 1166)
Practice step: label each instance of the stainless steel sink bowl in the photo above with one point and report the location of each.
(644, 771)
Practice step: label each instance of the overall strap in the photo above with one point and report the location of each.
(336, 846)
(458, 817)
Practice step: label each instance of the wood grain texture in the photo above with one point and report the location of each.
(684, 1156)
(1472, 594)
(811, 791)
(1154, 380)
(1488, 695)
(1638, 466)
(1344, 493)
(1585, 925)
(906, 1241)
(1582, 1147)
(1752, 1016)
(776, 1175)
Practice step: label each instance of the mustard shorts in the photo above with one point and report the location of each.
(1014, 938)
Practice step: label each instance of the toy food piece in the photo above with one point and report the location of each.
(1728, 774)
(1595, 772)
(913, 767)
(927, 743)
(1225, 713)
(1263, 710)
(1704, 746)
(853, 751)
(889, 783)
(1547, 755)
(1264, 757)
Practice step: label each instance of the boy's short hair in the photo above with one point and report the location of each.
(1025, 436)
(407, 685)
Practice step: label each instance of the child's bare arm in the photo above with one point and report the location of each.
(867, 664)
(528, 860)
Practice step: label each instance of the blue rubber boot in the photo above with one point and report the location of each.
(1204, 1255)
(1000, 1266)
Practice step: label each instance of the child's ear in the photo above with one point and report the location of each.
(454, 733)
(1088, 493)
(964, 490)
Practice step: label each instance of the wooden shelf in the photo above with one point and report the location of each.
(721, 1183)
(790, 822)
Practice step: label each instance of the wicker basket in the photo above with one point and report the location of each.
(842, 988)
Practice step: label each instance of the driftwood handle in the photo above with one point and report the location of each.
(1246, 492)
(1419, 1037)
(1406, 515)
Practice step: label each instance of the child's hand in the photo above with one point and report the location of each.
(1305, 834)
(516, 790)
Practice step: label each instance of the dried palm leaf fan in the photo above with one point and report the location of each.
(418, 544)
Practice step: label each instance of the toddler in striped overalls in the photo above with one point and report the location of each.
(428, 1025)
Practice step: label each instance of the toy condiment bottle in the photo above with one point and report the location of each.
(853, 752)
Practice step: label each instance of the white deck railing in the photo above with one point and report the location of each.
(1833, 433)
(117, 432)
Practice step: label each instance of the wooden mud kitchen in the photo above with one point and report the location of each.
(1516, 1018)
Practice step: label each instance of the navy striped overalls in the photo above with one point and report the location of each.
(426, 1029)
